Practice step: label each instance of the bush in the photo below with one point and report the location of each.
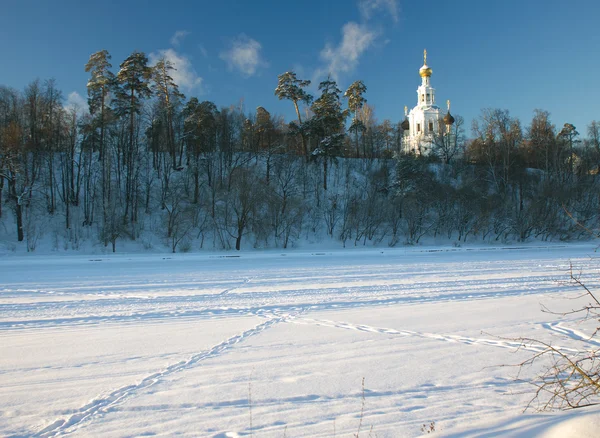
(570, 378)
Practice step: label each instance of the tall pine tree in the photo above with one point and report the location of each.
(291, 88)
(328, 123)
(354, 94)
(132, 88)
(167, 91)
(99, 86)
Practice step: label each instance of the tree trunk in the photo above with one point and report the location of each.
(197, 180)
(52, 205)
(19, 214)
(67, 215)
(268, 169)
(304, 146)
(18, 210)
(1, 188)
(325, 173)
(101, 149)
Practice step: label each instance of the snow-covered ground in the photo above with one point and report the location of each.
(277, 344)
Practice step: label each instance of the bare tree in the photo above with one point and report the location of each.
(498, 137)
(570, 378)
(449, 141)
(244, 198)
(179, 215)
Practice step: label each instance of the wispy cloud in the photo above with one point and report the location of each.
(178, 37)
(76, 102)
(357, 38)
(244, 56)
(203, 50)
(343, 58)
(185, 76)
(368, 8)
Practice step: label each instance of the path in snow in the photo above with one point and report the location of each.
(104, 403)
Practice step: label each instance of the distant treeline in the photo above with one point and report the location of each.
(142, 161)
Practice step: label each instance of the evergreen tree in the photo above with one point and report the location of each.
(569, 136)
(133, 85)
(168, 92)
(200, 130)
(132, 88)
(329, 116)
(99, 86)
(291, 88)
(354, 94)
(328, 123)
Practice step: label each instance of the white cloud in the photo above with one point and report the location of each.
(178, 37)
(356, 39)
(369, 7)
(76, 102)
(203, 50)
(244, 56)
(185, 75)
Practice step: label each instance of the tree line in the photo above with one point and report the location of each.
(144, 163)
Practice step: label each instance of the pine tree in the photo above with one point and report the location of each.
(329, 116)
(199, 128)
(99, 86)
(133, 85)
(132, 88)
(569, 135)
(168, 92)
(291, 88)
(354, 94)
(328, 123)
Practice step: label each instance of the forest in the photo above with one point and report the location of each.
(145, 164)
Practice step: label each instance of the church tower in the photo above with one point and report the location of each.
(425, 124)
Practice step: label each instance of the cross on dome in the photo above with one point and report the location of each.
(425, 71)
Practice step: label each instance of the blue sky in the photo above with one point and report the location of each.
(515, 55)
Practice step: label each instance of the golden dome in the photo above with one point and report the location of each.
(425, 70)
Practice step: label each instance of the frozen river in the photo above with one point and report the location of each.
(273, 344)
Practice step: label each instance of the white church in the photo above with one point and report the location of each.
(425, 125)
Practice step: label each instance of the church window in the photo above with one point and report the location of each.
(428, 98)
(431, 126)
(422, 98)
(418, 127)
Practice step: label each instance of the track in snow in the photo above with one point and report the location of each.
(500, 343)
(104, 403)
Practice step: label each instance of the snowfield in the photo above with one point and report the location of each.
(273, 344)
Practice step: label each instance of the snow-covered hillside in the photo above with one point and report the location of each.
(277, 344)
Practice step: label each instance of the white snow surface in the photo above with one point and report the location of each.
(272, 344)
